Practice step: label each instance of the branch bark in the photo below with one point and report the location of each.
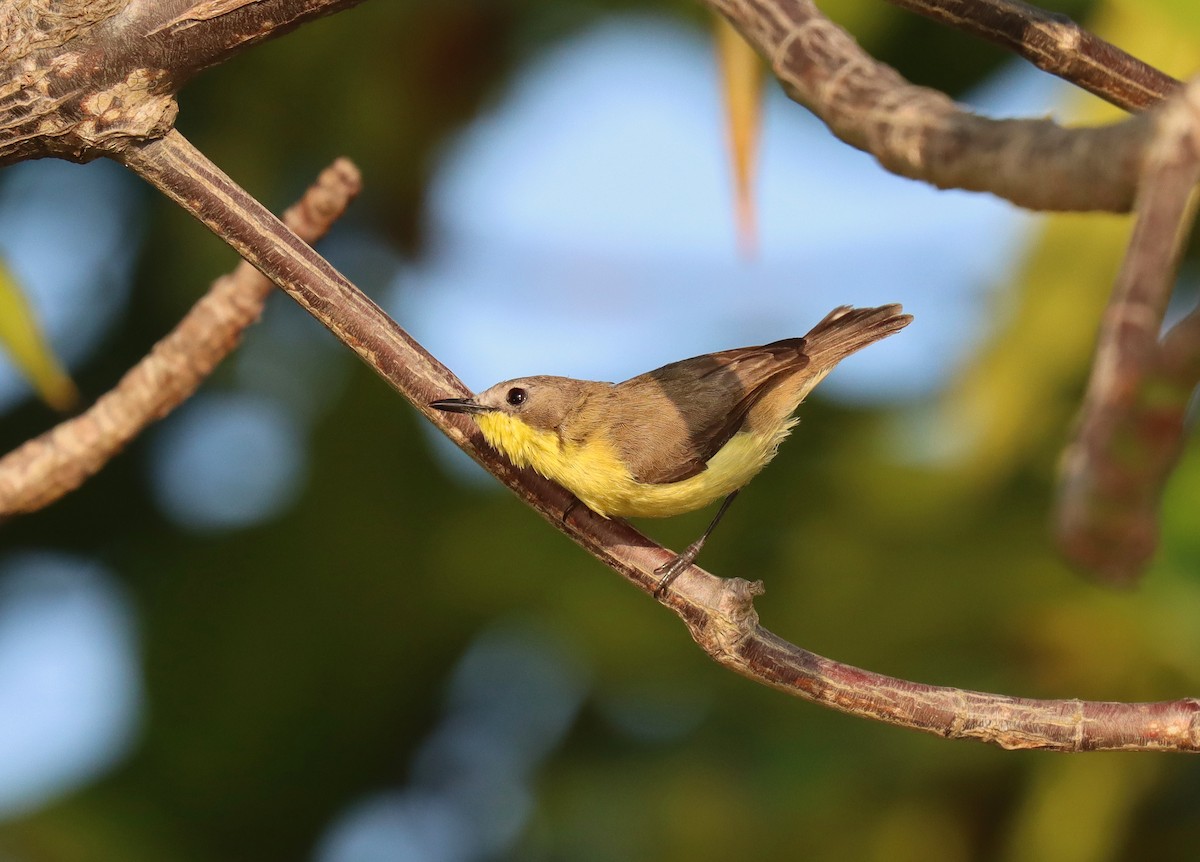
(81, 78)
(57, 462)
(1054, 43)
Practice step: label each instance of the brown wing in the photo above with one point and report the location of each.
(668, 423)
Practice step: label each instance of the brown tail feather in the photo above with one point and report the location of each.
(846, 330)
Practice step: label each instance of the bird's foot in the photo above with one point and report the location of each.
(669, 571)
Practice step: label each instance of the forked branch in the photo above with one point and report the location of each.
(124, 112)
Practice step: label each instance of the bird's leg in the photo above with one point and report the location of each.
(670, 571)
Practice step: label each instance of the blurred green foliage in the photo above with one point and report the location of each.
(295, 667)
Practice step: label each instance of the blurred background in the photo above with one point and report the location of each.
(292, 623)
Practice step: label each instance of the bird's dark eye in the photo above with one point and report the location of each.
(516, 397)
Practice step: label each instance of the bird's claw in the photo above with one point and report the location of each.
(668, 572)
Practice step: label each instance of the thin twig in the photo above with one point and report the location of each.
(1131, 426)
(45, 468)
(921, 133)
(1055, 44)
(719, 613)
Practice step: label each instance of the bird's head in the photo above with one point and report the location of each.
(515, 407)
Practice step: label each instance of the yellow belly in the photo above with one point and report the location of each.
(595, 474)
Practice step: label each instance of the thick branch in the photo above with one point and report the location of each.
(1055, 44)
(718, 612)
(920, 133)
(82, 77)
(53, 464)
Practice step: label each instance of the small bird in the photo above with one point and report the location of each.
(674, 439)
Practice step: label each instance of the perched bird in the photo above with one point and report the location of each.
(674, 439)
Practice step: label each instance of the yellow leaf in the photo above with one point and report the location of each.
(27, 346)
(741, 80)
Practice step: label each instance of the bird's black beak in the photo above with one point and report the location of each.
(460, 405)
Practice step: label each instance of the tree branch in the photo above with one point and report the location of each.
(79, 78)
(718, 613)
(100, 95)
(921, 134)
(1054, 43)
(53, 464)
(1131, 427)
